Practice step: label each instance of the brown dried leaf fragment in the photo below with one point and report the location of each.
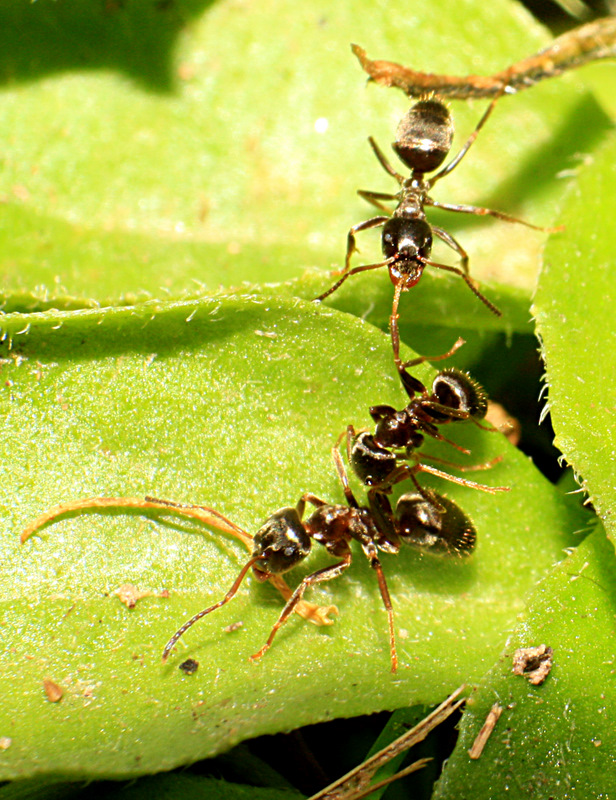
(535, 663)
(591, 42)
(486, 731)
(130, 595)
(53, 692)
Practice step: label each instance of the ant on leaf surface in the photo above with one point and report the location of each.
(376, 457)
(423, 142)
(425, 519)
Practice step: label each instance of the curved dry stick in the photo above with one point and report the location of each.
(318, 615)
(591, 42)
(201, 513)
(356, 783)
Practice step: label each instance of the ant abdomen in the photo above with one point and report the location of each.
(280, 544)
(457, 390)
(432, 522)
(424, 136)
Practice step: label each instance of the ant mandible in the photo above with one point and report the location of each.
(423, 141)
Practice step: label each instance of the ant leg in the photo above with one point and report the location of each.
(412, 385)
(470, 283)
(340, 469)
(230, 594)
(371, 554)
(454, 414)
(488, 427)
(376, 197)
(351, 245)
(454, 244)
(435, 434)
(348, 274)
(460, 481)
(325, 574)
(397, 475)
(380, 507)
(407, 471)
(454, 163)
(307, 497)
(350, 435)
(468, 467)
(384, 162)
(490, 212)
(420, 359)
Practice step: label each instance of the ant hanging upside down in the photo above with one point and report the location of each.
(423, 141)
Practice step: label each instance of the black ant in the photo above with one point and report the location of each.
(423, 141)
(424, 519)
(375, 457)
(455, 396)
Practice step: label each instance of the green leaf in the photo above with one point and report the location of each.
(556, 739)
(574, 308)
(234, 403)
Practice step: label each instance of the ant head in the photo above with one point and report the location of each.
(457, 390)
(406, 238)
(433, 522)
(371, 462)
(424, 136)
(280, 544)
